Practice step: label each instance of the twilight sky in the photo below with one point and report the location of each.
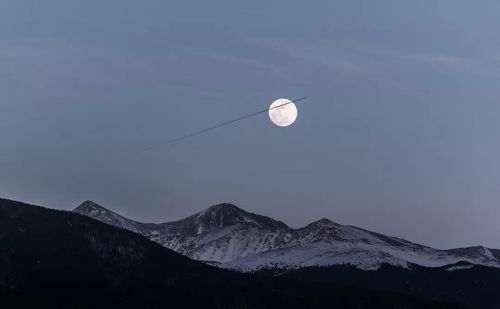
(400, 133)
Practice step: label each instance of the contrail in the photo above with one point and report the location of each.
(225, 123)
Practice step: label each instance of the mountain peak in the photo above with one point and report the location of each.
(477, 251)
(88, 206)
(226, 214)
(224, 207)
(96, 211)
(323, 222)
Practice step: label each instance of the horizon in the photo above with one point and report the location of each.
(240, 208)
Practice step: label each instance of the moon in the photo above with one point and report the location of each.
(284, 115)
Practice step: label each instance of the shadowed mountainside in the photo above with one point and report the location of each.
(474, 286)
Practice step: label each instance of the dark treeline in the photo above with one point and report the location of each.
(472, 286)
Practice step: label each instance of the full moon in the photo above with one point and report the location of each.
(283, 115)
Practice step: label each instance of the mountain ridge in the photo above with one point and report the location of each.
(240, 240)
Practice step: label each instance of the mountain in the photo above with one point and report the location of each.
(59, 259)
(236, 239)
(220, 233)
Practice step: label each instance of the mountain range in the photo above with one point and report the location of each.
(59, 259)
(52, 258)
(233, 238)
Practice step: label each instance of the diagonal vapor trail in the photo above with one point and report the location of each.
(225, 123)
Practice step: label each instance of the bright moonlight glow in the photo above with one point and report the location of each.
(283, 115)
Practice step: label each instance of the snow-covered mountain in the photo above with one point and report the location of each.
(234, 238)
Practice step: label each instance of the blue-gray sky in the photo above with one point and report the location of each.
(400, 133)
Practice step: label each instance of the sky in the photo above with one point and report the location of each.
(399, 134)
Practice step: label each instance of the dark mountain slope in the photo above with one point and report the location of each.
(57, 259)
(474, 286)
